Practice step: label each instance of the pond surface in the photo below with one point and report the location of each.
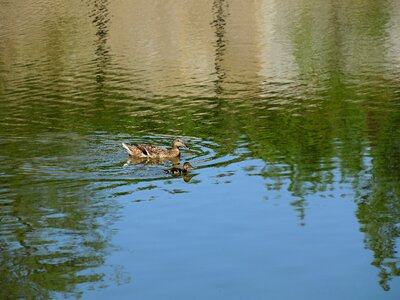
(290, 109)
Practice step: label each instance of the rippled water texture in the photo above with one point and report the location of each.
(291, 112)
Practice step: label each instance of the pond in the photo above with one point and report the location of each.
(291, 113)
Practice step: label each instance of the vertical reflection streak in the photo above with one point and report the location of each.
(101, 20)
(220, 8)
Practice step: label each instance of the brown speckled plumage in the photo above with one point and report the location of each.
(151, 151)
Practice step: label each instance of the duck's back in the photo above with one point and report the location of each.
(151, 151)
(154, 151)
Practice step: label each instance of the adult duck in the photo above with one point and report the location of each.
(151, 151)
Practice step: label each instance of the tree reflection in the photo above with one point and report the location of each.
(52, 230)
(219, 23)
(379, 199)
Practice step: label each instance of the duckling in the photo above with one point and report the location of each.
(151, 151)
(178, 170)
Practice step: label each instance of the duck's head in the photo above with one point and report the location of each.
(179, 144)
(187, 166)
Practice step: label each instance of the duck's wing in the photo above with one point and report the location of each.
(143, 148)
(150, 149)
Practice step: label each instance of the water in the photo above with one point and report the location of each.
(291, 112)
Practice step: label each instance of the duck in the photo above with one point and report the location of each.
(151, 151)
(178, 170)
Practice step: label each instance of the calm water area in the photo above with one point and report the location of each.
(291, 112)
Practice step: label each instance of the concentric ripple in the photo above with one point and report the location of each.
(99, 160)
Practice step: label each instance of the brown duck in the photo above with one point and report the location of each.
(151, 151)
(178, 170)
